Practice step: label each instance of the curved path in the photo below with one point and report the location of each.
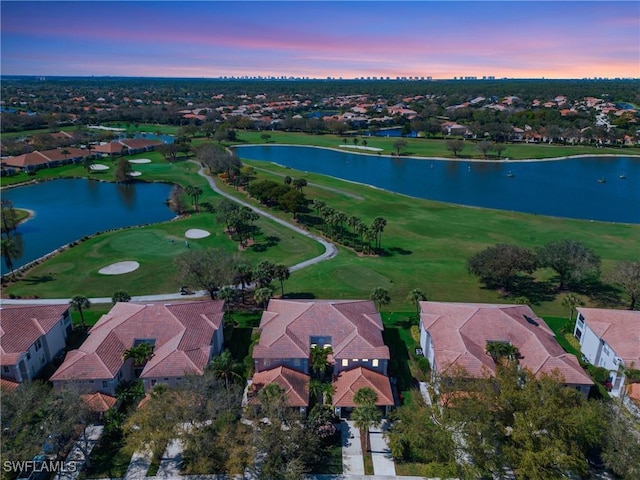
(330, 251)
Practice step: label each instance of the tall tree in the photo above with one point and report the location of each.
(318, 359)
(194, 192)
(416, 296)
(123, 171)
(227, 294)
(499, 266)
(262, 296)
(208, 269)
(12, 249)
(9, 216)
(377, 226)
(380, 296)
(282, 273)
(225, 366)
(627, 277)
(80, 303)
(455, 146)
(264, 273)
(365, 413)
(571, 260)
(399, 145)
(570, 302)
(120, 296)
(243, 277)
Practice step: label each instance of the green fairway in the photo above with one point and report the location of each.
(434, 148)
(75, 271)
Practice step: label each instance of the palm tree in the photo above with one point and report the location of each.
(318, 359)
(380, 297)
(365, 414)
(140, 354)
(227, 294)
(571, 302)
(416, 296)
(87, 163)
(120, 296)
(11, 247)
(194, 192)
(282, 273)
(244, 276)
(353, 222)
(378, 227)
(225, 366)
(262, 296)
(318, 205)
(500, 350)
(80, 303)
(315, 389)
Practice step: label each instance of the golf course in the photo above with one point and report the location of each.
(424, 245)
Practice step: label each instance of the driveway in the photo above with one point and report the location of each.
(380, 452)
(352, 461)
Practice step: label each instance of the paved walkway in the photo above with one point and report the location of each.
(139, 465)
(171, 460)
(380, 451)
(75, 460)
(352, 461)
(330, 251)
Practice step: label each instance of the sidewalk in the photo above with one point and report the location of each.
(380, 451)
(75, 460)
(352, 461)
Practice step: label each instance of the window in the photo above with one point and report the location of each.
(38, 344)
(345, 362)
(374, 362)
(267, 362)
(355, 359)
(296, 362)
(5, 369)
(578, 333)
(104, 384)
(327, 345)
(606, 351)
(28, 356)
(153, 383)
(365, 359)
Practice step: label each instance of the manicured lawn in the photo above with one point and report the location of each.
(75, 271)
(433, 148)
(563, 327)
(426, 245)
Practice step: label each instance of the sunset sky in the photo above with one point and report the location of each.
(519, 39)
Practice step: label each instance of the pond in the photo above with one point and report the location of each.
(66, 210)
(591, 188)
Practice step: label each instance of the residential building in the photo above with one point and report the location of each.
(353, 329)
(28, 162)
(610, 339)
(31, 336)
(455, 335)
(184, 336)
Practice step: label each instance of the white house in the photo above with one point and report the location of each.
(610, 339)
(31, 336)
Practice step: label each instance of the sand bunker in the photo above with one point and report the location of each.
(196, 233)
(119, 268)
(362, 147)
(135, 174)
(140, 160)
(99, 166)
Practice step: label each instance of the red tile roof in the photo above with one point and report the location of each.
(135, 143)
(619, 328)
(99, 402)
(355, 328)
(294, 383)
(183, 334)
(350, 381)
(8, 385)
(460, 332)
(21, 325)
(110, 147)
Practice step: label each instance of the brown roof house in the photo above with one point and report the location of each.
(610, 339)
(45, 159)
(184, 337)
(454, 335)
(353, 330)
(30, 337)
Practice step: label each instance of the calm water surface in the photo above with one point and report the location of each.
(562, 188)
(66, 210)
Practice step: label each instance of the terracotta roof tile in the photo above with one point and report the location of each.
(619, 328)
(22, 325)
(99, 402)
(183, 335)
(349, 382)
(294, 383)
(460, 332)
(355, 329)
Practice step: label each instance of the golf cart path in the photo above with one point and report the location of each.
(330, 251)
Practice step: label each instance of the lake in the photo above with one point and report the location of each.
(585, 188)
(66, 210)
